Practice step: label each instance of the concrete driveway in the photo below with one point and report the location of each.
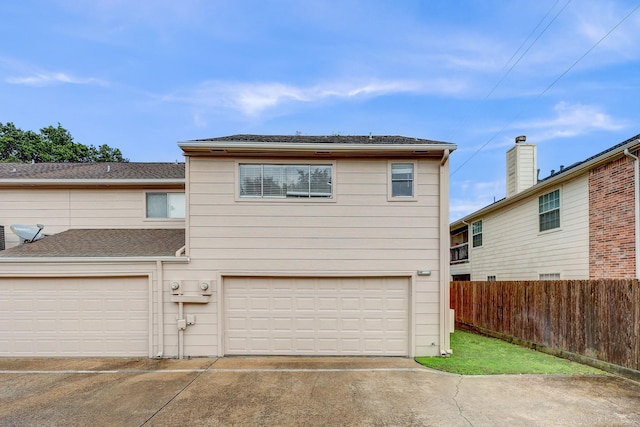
(300, 391)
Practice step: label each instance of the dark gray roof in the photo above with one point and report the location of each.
(101, 171)
(103, 243)
(322, 139)
(595, 156)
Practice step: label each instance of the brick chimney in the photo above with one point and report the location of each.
(521, 166)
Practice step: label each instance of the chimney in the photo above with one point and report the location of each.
(521, 166)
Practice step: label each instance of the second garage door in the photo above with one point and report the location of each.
(74, 316)
(316, 316)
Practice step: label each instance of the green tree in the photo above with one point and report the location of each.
(52, 144)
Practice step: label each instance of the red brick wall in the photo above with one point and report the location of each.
(612, 221)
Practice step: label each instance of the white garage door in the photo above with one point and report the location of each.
(74, 316)
(316, 316)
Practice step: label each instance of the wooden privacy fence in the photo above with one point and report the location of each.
(598, 319)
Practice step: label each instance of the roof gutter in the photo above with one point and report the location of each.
(90, 182)
(549, 182)
(243, 146)
(86, 260)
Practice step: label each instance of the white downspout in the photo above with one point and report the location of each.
(636, 185)
(445, 344)
(180, 331)
(160, 275)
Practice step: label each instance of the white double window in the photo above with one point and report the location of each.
(165, 205)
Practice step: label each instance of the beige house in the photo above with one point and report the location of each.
(290, 245)
(579, 223)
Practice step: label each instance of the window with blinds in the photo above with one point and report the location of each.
(280, 181)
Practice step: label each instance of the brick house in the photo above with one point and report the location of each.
(581, 222)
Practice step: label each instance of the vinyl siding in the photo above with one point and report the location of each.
(514, 249)
(358, 232)
(62, 209)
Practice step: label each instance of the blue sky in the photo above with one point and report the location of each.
(141, 75)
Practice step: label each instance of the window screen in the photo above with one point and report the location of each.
(285, 181)
(402, 180)
(549, 210)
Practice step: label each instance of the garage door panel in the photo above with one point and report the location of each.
(74, 316)
(328, 316)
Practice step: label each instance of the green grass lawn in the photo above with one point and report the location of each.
(475, 354)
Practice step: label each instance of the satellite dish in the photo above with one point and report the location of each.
(27, 233)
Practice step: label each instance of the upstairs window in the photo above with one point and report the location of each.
(549, 210)
(277, 181)
(402, 185)
(165, 205)
(476, 231)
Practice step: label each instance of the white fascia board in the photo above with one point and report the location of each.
(89, 182)
(312, 147)
(87, 260)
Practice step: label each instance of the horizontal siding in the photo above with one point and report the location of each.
(62, 209)
(225, 229)
(359, 230)
(514, 249)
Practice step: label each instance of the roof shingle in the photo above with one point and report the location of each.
(322, 139)
(102, 171)
(103, 243)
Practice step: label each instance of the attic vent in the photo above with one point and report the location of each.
(1, 237)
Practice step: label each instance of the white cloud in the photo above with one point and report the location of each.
(474, 195)
(253, 99)
(51, 78)
(570, 120)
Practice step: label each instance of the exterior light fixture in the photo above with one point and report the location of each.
(175, 286)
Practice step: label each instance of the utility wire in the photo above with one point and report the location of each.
(590, 49)
(552, 83)
(530, 46)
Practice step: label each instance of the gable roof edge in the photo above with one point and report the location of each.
(552, 181)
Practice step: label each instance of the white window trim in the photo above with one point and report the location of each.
(390, 196)
(537, 199)
(334, 186)
(481, 234)
(144, 206)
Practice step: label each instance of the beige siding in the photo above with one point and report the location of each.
(62, 209)
(514, 249)
(358, 232)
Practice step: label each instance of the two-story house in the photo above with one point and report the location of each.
(292, 245)
(581, 222)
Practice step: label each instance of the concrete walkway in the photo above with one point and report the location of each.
(299, 391)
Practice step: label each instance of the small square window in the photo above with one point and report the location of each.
(402, 181)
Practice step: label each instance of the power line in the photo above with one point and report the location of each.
(552, 83)
(530, 46)
(590, 49)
